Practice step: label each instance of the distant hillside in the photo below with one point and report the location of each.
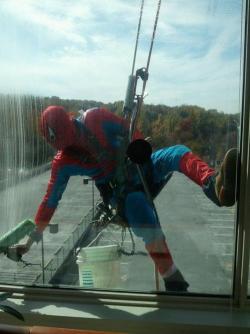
(208, 133)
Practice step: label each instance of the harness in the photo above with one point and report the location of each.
(119, 185)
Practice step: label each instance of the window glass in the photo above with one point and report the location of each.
(78, 56)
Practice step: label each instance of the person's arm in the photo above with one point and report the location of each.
(42, 219)
(56, 186)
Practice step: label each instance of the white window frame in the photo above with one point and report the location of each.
(138, 313)
(241, 268)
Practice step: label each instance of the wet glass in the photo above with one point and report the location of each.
(73, 56)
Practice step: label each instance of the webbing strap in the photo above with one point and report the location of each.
(100, 154)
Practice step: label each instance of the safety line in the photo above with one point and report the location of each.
(140, 100)
(137, 36)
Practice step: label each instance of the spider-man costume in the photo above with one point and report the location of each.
(79, 156)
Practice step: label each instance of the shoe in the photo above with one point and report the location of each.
(225, 181)
(176, 283)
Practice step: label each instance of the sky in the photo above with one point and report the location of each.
(83, 49)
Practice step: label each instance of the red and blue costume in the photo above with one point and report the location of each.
(78, 156)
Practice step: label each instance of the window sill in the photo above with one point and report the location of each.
(127, 313)
(8, 329)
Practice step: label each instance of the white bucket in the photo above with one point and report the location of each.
(99, 267)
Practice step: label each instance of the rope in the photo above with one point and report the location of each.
(121, 245)
(140, 99)
(137, 36)
(154, 31)
(136, 112)
(122, 250)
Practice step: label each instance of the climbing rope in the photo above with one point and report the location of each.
(137, 37)
(142, 72)
(133, 105)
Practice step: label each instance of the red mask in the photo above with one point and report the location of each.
(57, 127)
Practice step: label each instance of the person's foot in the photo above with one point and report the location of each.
(176, 283)
(225, 181)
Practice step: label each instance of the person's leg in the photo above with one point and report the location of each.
(218, 186)
(142, 220)
(199, 171)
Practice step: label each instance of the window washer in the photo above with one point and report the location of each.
(89, 146)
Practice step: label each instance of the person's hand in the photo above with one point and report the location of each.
(19, 248)
(15, 252)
